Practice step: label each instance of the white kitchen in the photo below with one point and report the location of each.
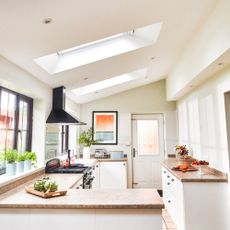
(139, 78)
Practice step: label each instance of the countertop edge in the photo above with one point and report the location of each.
(223, 178)
(88, 206)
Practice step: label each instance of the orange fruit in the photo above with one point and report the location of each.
(185, 166)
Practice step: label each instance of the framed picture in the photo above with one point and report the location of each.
(105, 127)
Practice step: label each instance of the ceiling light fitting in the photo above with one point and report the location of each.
(47, 20)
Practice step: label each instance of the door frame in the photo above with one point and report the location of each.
(163, 144)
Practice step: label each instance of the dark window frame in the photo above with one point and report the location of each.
(29, 101)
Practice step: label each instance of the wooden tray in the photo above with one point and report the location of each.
(45, 194)
(191, 168)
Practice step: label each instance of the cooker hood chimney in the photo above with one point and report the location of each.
(58, 114)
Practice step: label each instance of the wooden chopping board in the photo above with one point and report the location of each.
(45, 194)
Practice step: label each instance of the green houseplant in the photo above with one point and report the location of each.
(20, 162)
(2, 163)
(86, 140)
(11, 157)
(30, 157)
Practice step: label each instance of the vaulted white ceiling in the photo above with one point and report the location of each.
(24, 37)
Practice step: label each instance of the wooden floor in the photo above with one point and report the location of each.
(167, 221)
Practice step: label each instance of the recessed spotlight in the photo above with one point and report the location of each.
(96, 92)
(47, 20)
(220, 63)
(85, 78)
(152, 58)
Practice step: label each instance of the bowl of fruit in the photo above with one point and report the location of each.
(185, 159)
(200, 165)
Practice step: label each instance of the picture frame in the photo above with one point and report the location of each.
(105, 127)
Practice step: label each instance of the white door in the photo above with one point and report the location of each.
(148, 150)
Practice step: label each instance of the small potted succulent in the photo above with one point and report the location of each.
(11, 157)
(30, 157)
(20, 162)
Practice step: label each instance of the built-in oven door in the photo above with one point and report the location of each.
(88, 180)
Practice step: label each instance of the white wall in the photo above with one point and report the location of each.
(202, 122)
(74, 130)
(210, 42)
(146, 99)
(14, 78)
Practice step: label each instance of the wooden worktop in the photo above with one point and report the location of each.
(112, 159)
(87, 199)
(82, 199)
(209, 174)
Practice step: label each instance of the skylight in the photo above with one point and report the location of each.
(111, 82)
(98, 50)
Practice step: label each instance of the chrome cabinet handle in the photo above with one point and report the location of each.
(169, 201)
(168, 183)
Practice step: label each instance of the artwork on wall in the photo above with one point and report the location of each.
(105, 127)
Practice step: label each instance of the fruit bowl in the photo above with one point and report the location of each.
(185, 159)
(200, 165)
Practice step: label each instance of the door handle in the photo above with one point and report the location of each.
(135, 183)
(134, 152)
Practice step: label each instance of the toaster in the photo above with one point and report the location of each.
(101, 153)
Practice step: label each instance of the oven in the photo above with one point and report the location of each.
(54, 166)
(88, 179)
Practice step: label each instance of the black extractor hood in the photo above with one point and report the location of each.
(58, 114)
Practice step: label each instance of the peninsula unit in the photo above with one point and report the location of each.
(196, 201)
(90, 209)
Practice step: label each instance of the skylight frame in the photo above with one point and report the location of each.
(109, 83)
(91, 52)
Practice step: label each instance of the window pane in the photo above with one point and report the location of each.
(6, 139)
(22, 141)
(7, 119)
(23, 115)
(148, 137)
(7, 113)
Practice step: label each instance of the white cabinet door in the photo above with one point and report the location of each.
(173, 197)
(113, 175)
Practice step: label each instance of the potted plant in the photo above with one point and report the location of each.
(86, 140)
(11, 157)
(30, 157)
(20, 162)
(2, 163)
(182, 154)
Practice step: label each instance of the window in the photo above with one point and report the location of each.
(15, 120)
(100, 49)
(148, 137)
(57, 140)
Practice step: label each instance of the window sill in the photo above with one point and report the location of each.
(5, 180)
